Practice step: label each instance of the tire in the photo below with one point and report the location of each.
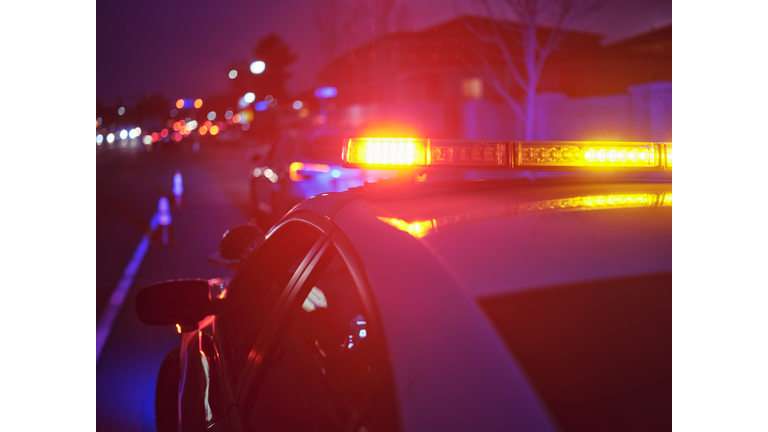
(167, 393)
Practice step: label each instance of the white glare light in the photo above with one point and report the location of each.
(258, 67)
(123, 134)
(111, 138)
(249, 97)
(232, 74)
(211, 116)
(297, 105)
(121, 110)
(147, 139)
(99, 139)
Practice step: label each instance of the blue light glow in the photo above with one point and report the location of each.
(335, 173)
(325, 92)
(261, 106)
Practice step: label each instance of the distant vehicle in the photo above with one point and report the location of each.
(302, 164)
(532, 304)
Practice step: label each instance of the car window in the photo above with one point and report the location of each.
(599, 354)
(257, 286)
(322, 376)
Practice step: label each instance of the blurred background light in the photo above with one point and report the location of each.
(192, 125)
(121, 110)
(232, 74)
(273, 102)
(214, 130)
(99, 139)
(236, 118)
(228, 115)
(147, 140)
(261, 105)
(297, 105)
(249, 97)
(98, 121)
(164, 133)
(123, 134)
(198, 103)
(211, 115)
(268, 98)
(258, 67)
(246, 126)
(180, 103)
(303, 112)
(111, 138)
(174, 112)
(325, 92)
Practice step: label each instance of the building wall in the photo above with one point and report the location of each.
(644, 113)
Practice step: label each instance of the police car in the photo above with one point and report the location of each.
(531, 302)
(303, 164)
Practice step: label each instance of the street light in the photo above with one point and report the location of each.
(258, 67)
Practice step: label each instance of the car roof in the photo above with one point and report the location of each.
(548, 232)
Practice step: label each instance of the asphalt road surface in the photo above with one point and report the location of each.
(129, 183)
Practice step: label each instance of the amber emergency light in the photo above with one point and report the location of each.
(414, 153)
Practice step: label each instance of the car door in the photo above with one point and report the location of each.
(220, 358)
(325, 366)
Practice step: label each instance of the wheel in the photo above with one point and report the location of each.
(167, 393)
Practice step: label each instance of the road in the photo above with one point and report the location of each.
(129, 183)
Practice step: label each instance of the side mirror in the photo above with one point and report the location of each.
(236, 243)
(182, 301)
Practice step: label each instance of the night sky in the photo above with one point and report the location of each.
(181, 48)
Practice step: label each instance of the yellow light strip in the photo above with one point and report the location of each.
(587, 154)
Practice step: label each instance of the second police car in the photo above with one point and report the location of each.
(529, 303)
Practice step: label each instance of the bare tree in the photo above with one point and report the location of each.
(514, 38)
(334, 20)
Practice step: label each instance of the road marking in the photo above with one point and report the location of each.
(104, 325)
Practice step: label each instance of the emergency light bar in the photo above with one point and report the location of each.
(389, 153)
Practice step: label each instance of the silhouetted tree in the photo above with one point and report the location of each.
(277, 56)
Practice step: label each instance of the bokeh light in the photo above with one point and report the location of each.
(147, 140)
(211, 115)
(198, 103)
(258, 67)
(273, 102)
(232, 74)
(121, 110)
(99, 139)
(180, 103)
(98, 121)
(298, 104)
(111, 138)
(261, 105)
(228, 115)
(246, 126)
(164, 133)
(174, 112)
(249, 97)
(123, 134)
(268, 98)
(214, 130)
